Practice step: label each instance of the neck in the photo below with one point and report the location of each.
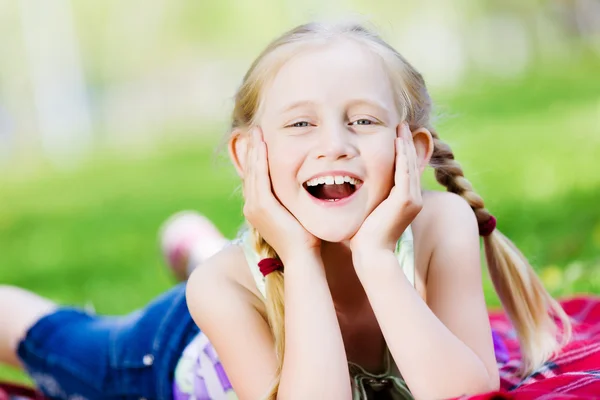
(346, 290)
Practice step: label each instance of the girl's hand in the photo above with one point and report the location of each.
(272, 220)
(386, 223)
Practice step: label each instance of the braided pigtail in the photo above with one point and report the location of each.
(274, 303)
(531, 309)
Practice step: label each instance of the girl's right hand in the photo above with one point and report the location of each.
(265, 213)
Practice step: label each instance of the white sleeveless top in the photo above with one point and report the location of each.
(199, 374)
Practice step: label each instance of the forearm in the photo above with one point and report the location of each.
(315, 364)
(423, 348)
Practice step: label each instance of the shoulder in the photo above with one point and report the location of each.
(225, 304)
(222, 282)
(445, 203)
(445, 224)
(445, 214)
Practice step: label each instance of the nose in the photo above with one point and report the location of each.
(336, 142)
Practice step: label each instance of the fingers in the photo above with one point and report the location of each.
(263, 179)
(402, 161)
(413, 167)
(248, 181)
(407, 177)
(258, 194)
(254, 167)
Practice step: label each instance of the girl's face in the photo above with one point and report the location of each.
(329, 121)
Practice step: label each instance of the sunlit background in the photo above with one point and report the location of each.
(112, 112)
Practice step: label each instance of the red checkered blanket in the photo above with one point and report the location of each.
(572, 374)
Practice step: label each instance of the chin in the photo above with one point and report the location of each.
(330, 231)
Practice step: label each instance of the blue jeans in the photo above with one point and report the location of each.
(71, 354)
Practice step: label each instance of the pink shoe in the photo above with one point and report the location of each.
(187, 239)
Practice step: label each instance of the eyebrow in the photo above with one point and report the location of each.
(372, 103)
(351, 103)
(298, 104)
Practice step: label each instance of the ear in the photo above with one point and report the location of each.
(423, 141)
(238, 147)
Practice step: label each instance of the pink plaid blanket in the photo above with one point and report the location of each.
(572, 374)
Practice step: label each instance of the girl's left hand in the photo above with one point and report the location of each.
(386, 223)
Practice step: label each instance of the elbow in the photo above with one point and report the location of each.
(313, 389)
(483, 387)
(483, 379)
(488, 381)
(491, 383)
(299, 395)
(305, 391)
(494, 381)
(471, 385)
(337, 396)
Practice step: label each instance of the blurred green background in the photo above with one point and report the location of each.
(111, 117)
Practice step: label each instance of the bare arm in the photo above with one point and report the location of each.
(314, 349)
(315, 364)
(223, 310)
(443, 348)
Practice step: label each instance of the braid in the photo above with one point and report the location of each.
(531, 309)
(449, 174)
(274, 303)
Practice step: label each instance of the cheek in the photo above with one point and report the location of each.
(382, 165)
(283, 170)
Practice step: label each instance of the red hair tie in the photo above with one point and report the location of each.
(268, 265)
(486, 228)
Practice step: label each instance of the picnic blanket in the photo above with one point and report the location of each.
(573, 374)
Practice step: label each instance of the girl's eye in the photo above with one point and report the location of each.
(300, 124)
(362, 121)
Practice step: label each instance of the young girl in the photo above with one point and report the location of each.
(382, 296)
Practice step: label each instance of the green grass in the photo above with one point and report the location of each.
(529, 147)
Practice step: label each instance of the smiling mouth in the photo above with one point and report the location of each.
(332, 188)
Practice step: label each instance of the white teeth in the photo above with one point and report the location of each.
(330, 180)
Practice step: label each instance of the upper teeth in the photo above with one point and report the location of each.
(331, 180)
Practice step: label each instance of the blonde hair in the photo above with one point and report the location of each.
(529, 306)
